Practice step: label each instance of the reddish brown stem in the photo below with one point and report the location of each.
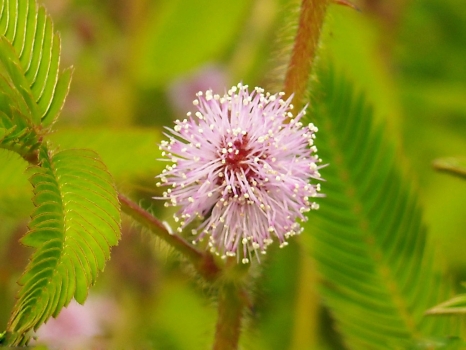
(202, 261)
(305, 47)
(231, 302)
(233, 299)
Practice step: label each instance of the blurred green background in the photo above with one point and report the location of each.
(137, 65)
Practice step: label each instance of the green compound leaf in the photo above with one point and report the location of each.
(17, 128)
(75, 223)
(368, 237)
(29, 63)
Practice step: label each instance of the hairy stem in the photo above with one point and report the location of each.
(232, 297)
(305, 47)
(202, 261)
(231, 301)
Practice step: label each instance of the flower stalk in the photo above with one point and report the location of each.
(231, 302)
(233, 299)
(304, 50)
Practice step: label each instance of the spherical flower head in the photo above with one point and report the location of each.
(242, 164)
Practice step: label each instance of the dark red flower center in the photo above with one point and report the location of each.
(238, 157)
(238, 154)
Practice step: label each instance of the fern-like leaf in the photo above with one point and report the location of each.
(74, 225)
(368, 237)
(17, 128)
(31, 52)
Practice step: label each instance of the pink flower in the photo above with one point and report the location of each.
(242, 164)
(77, 326)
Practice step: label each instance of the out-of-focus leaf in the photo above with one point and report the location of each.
(169, 47)
(454, 166)
(427, 56)
(449, 343)
(456, 305)
(368, 236)
(353, 44)
(15, 190)
(128, 154)
(274, 309)
(188, 324)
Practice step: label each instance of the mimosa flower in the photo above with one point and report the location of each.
(242, 164)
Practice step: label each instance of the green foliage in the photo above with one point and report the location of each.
(31, 54)
(136, 141)
(32, 88)
(75, 223)
(125, 50)
(353, 46)
(15, 189)
(456, 305)
(17, 129)
(368, 237)
(167, 43)
(77, 219)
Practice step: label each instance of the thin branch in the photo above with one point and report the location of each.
(202, 261)
(452, 166)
